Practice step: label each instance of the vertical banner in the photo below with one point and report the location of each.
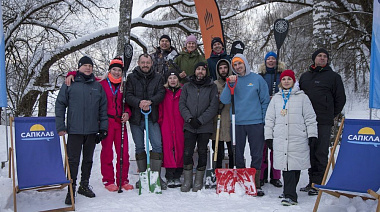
(38, 152)
(210, 23)
(374, 83)
(3, 88)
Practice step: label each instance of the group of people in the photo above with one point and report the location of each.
(184, 96)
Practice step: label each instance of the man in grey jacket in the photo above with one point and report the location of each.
(87, 121)
(198, 105)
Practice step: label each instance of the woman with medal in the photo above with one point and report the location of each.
(290, 124)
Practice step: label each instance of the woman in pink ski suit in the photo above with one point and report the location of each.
(112, 86)
(171, 124)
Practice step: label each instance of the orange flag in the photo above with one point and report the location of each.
(210, 23)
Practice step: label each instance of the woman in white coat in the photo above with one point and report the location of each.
(290, 124)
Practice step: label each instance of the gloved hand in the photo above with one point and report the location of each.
(269, 143)
(313, 141)
(102, 134)
(195, 123)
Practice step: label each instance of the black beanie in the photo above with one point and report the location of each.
(200, 64)
(85, 60)
(321, 50)
(216, 39)
(171, 72)
(166, 37)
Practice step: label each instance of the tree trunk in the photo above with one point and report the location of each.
(124, 25)
(321, 24)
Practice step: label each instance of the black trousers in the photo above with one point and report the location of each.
(192, 139)
(220, 156)
(291, 179)
(319, 154)
(173, 173)
(75, 143)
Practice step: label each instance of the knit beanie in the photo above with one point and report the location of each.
(191, 38)
(216, 40)
(235, 59)
(321, 50)
(166, 37)
(85, 60)
(270, 54)
(116, 62)
(200, 64)
(170, 73)
(288, 73)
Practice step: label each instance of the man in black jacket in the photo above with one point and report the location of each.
(325, 89)
(160, 62)
(86, 104)
(198, 105)
(145, 89)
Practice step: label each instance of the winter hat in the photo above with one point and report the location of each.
(191, 38)
(166, 37)
(85, 60)
(270, 54)
(200, 64)
(216, 40)
(170, 73)
(116, 62)
(288, 73)
(321, 50)
(236, 59)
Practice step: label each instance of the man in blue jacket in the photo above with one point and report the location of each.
(87, 121)
(251, 102)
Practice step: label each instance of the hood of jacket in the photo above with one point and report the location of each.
(295, 90)
(263, 68)
(248, 69)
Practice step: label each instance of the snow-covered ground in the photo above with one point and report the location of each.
(173, 199)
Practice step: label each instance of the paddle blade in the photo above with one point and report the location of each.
(226, 180)
(149, 182)
(281, 27)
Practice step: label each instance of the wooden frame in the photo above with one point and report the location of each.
(40, 188)
(337, 194)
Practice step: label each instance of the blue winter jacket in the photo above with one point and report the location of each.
(213, 60)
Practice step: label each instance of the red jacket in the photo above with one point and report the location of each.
(171, 123)
(115, 102)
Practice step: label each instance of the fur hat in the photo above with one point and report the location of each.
(321, 50)
(85, 60)
(190, 38)
(166, 37)
(216, 40)
(288, 73)
(116, 62)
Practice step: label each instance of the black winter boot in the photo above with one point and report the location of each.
(68, 196)
(260, 192)
(141, 165)
(85, 190)
(198, 182)
(188, 178)
(155, 165)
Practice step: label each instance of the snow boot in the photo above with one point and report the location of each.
(260, 192)
(198, 182)
(68, 196)
(141, 165)
(85, 190)
(155, 165)
(187, 178)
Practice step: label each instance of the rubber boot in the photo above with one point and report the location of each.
(198, 182)
(141, 165)
(260, 192)
(187, 178)
(155, 165)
